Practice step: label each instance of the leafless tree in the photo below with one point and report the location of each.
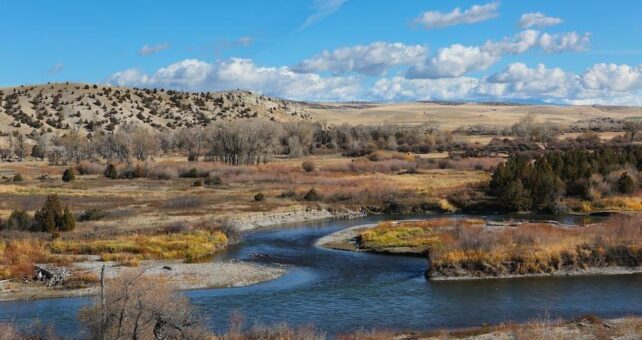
(20, 146)
(139, 307)
(242, 142)
(191, 141)
(632, 127)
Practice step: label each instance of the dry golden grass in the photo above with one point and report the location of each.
(189, 246)
(18, 257)
(424, 235)
(469, 248)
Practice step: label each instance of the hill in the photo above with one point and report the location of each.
(54, 107)
(90, 108)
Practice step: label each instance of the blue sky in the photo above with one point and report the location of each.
(571, 51)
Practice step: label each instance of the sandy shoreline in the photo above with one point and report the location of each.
(254, 221)
(187, 276)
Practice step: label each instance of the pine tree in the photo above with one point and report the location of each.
(68, 175)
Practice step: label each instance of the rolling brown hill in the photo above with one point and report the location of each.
(91, 108)
(87, 107)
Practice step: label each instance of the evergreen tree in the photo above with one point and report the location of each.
(51, 217)
(68, 175)
(626, 184)
(111, 172)
(515, 197)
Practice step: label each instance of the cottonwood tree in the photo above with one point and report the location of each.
(73, 146)
(191, 141)
(135, 306)
(19, 146)
(631, 128)
(110, 146)
(144, 143)
(242, 142)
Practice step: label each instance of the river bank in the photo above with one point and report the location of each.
(259, 220)
(584, 327)
(185, 276)
(474, 249)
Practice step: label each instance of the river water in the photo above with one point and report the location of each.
(339, 291)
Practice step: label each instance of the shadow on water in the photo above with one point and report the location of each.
(338, 291)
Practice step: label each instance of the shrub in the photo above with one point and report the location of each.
(191, 173)
(312, 195)
(20, 220)
(214, 180)
(182, 203)
(53, 218)
(197, 183)
(92, 214)
(259, 197)
(18, 178)
(137, 171)
(68, 175)
(89, 168)
(37, 152)
(626, 184)
(110, 171)
(162, 172)
(308, 166)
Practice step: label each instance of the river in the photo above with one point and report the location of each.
(339, 291)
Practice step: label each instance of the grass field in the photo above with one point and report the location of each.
(130, 220)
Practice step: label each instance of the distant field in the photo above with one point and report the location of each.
(453, 116)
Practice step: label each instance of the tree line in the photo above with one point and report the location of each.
(537, 181)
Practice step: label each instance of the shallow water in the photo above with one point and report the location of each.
(338, 291)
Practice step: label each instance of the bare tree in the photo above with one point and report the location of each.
(191, 141)
(631, 128)
(139, 307)
(143, 143)
(20, 146)
(242, 142)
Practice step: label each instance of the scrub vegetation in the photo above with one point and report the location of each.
(475, 248)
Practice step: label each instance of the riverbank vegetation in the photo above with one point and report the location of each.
(529, 182)
(475, 248)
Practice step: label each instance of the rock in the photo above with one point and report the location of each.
(50, 274)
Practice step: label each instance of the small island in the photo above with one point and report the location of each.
(471, 248)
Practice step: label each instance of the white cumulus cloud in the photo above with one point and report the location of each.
(233, 73)
(457, 60)
(538, 19)
(476, 13)
(400, 88)
(620, 78)
(519, 81)
(564, 42)
(373, 59)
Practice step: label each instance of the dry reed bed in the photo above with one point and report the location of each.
(17, 257)
(469, 248)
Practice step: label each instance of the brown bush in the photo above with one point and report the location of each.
(308, 166)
